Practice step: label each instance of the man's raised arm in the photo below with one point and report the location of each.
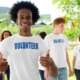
(49, 64)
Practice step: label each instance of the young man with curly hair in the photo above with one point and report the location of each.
(25, 48)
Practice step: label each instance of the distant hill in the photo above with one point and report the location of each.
(4, 10)
(45, 17)
(4, 13)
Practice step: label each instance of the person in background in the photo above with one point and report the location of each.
(5, 34)
(76, 61)
(42, 34)
(41, 68)
(58, 45)
(24, 48)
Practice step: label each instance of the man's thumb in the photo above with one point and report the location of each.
(47, 53)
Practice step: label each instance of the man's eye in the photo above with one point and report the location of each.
(21, 17)
(28, 17)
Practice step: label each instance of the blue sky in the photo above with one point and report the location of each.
(43, 5)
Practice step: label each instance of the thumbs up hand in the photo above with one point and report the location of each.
(3, 64)
(46, 61)
(49, 65)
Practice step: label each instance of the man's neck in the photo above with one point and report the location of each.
(25, 34)
(56, 32)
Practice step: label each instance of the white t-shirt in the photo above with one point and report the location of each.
(40, 67)
(7, 59)
(57, 45)
(76, 52)
(23, 53)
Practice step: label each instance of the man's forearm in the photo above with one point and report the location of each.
(52, 69)
(67, 59)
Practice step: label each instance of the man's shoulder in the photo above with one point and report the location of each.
(14, 35)
(10, 38)
(64, 36)
(49, 35)
(77, 47)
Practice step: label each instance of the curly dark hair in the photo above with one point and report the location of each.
(27, 5)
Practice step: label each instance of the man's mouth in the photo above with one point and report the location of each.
(25, 24)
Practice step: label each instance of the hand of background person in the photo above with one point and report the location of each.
(70, 72)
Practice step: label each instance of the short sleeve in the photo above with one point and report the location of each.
(66, 42)
(3, 48)
(75, 51)
(46, 41)
(44, 49)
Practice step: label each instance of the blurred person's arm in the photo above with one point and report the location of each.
(73, 63)
(68, 63)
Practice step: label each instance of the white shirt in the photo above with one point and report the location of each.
(40, 67)
(23, 53)
(57, 45)
(76, 52)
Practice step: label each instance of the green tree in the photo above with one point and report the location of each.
(72, 14)
(71, 8)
